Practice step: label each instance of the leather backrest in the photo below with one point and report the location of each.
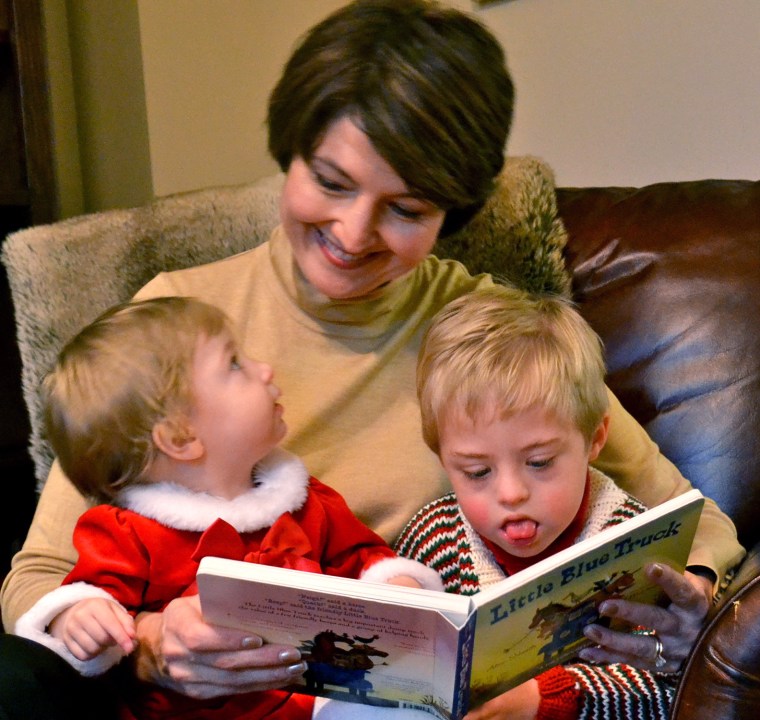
(669, 276)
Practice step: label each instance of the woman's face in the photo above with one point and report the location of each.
(351, 220)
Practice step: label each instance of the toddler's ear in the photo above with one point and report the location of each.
(177, 440)
(599, 438)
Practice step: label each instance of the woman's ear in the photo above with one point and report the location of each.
(599, 438)
(177, 440)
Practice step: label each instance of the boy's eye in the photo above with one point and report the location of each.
(235, 363)
(478, 474)
(540, 464)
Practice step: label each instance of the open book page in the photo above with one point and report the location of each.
(374, 643)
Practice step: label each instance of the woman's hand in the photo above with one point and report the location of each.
(178, 650)
(519, 703)
(677, 626)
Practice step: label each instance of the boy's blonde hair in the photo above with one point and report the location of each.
(123, 373)
(503, 350)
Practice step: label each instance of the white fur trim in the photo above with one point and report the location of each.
(282, 484)
(33, 625)
(388, 568)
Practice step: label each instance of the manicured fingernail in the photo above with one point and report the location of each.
(592, 633)
(656, 570)
(297, 668)
(608, 609)
(587, 655)
(251, 642)
(291, 655)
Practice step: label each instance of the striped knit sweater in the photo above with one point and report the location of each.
(440, 536)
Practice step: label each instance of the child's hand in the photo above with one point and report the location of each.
(90, 626)
(404, 581)
(519, 703)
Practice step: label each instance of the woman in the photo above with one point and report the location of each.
(390, 120)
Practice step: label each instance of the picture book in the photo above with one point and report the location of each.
(388, 645)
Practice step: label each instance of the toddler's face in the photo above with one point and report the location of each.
(519, 480)
(235, 410)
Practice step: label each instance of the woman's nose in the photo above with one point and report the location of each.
(356, 227)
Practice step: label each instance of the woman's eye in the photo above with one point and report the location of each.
(235, 363)
(406, 213)
(326, 183)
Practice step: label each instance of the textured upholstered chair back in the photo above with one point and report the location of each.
(62, 276)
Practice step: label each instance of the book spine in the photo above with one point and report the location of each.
(461, 700)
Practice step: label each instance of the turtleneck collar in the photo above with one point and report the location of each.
(371, 315)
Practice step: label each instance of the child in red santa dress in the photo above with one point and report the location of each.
(154, 413)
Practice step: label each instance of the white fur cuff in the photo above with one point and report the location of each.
(33, 626)
(384, 570)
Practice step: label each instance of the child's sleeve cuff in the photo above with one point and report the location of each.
(560, 695)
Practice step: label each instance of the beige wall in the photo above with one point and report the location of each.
(170, 94)
(209, 69)
(65, 132)
(635, 91)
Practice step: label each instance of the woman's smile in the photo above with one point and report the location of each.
(337, 255)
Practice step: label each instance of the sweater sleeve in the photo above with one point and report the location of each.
(635, 463)
(622, 692)
(560, 695)
(48, 553)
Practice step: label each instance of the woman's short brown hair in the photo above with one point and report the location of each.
(126, 371)
(427, 84)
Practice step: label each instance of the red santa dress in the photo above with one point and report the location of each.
(144, 552)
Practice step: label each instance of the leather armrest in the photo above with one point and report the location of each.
(721, 679)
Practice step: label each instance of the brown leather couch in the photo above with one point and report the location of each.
(669, 276)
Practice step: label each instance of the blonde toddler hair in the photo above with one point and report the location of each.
(123, 373)
(504, 350)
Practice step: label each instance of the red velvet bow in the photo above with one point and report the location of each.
(284, 545)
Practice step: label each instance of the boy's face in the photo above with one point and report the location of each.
(235, 411)
(519, 480)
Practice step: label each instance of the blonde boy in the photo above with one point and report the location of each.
(513, 401)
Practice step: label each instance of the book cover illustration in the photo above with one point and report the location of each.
(538, 625)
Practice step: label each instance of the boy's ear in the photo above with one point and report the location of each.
(599, 438)
(177, 440)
